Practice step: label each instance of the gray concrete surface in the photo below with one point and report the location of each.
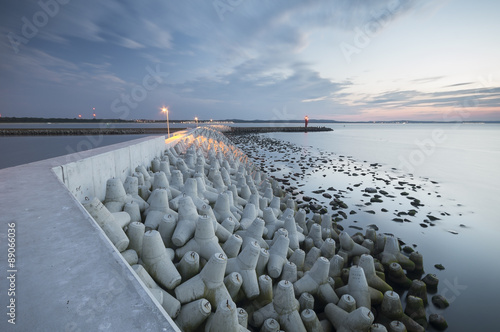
(68, 275)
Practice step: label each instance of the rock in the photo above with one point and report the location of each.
(370, 190)
(438, 322)
(440, 301)
(439, 266)
(408, 249)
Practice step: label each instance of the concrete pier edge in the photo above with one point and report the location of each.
(67, 275)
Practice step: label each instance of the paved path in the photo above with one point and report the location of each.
(68, 276)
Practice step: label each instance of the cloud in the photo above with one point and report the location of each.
(244, 62)
(480, 97)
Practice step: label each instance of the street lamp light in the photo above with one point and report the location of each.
(196, 119)
(165, 110)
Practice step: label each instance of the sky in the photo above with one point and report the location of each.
(346, 60)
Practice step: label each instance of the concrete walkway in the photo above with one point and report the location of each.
(67, 276)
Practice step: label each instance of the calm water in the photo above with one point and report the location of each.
(464, 161)
(18, 150)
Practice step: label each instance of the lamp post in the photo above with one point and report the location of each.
(165, 110)
(196, 119)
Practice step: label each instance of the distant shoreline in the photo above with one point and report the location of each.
(227, 121)
(84, 131)
(142, 131)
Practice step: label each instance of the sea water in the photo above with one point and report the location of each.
(457, 167)
(19, 150)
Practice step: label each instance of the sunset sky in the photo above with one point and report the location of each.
(251, 59)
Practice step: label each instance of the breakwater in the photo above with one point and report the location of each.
(222, 246)
(143, 131)
(257, 130)
(84, 131)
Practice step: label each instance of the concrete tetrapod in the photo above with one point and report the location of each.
(336, 266)
(248, 216)
(254, 233)
(186, 225)
(193, 314)
(315, 235)
(131, 186)
(160, 181)
(293, 235)
(270, 325)
(224, 230)
(166, 229)
(108, 224)
(298, 258)
(190, 189)
(157, 261)
(351, 248)
(378, 328)
(209, 283)
(272, 223)
(189, 265)
(359, 320)
(397, 275)
(311, 321)
(222, 209)
(277, 256)
(315, 282)
(243, 317)
(233, 283)
(225, 319)
(392, 310)
(284, 309)
(130, 256)
(289, 272)
(171, 305)
(347, 303)
(135, 233)
(311, 258)
(328, 248)
(115, 197)
(232, 246)
(203, 190)
(392, 254)
(133, 210)
(262, 262)
(358, 288)
(158, 207)
(366, 262)
(204, 242)
(245, 264)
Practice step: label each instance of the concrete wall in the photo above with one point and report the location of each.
(86, 178)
